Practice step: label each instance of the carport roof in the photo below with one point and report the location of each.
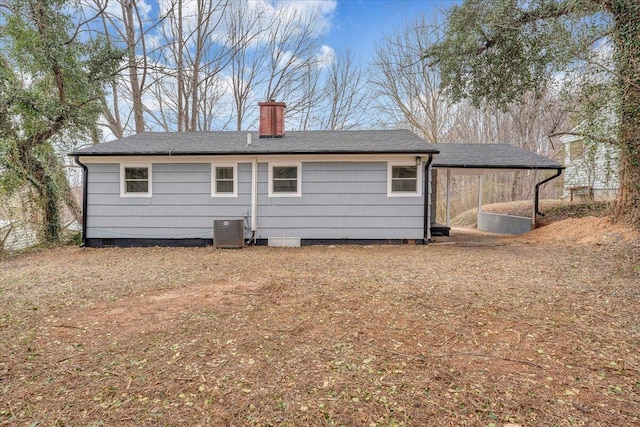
(502, 157)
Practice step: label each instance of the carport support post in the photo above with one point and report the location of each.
(448, 197)
(479, 198)
(535, 213)
(479, 194)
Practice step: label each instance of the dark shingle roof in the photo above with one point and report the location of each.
(225, 143)
(489, 156)
(473, 156)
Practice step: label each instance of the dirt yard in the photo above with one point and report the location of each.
(473, 330)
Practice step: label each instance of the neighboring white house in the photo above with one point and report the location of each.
(591, 169)
(16, 235)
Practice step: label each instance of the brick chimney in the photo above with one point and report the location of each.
(272, 119)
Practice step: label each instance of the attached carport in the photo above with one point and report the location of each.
(484, 159)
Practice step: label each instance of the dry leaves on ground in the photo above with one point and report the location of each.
(486, 331)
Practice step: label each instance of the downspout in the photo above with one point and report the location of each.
(536, 201)
(448, 214)
(254, 199)
(85, 176)
(427, 200)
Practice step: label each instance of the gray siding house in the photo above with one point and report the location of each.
(313, 186)
(295, 188)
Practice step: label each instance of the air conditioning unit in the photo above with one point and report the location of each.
(228, 233)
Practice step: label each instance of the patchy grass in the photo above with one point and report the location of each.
(494, 333)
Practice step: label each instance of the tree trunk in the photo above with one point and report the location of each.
(132, 63)
(195, 66)
(515, 186)
(70, 201)
(180, 71)
(47, 189)
(51, 210)
(626, 14)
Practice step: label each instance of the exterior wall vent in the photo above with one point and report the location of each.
(228, 233)
(284, 242)
(271, 119)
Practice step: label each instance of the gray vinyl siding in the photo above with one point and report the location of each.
(180, 207)
(434, 194)
(339, 201)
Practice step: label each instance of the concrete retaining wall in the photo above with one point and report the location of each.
(503, 224)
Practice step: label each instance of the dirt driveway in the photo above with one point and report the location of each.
(473, 330)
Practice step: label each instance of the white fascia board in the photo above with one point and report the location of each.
(248, 158)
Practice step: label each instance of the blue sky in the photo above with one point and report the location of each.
(361, 24)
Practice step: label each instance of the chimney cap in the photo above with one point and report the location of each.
(272, 103)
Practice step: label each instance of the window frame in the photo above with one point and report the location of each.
(298, 192)
(214, 166)
(123, 180)
(419, 178)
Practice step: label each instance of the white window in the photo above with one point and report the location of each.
(135, 180)
(285, 180)
(224, 180)
(404, 180)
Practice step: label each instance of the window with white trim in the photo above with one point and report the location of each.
(135, 180)
(224, 180)
(404, 179)
(284, 180)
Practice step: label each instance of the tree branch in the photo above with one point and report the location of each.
(550, 11)
(83, 23)
(584, 135)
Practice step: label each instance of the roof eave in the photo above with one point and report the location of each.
(471, 166)
(245, 153)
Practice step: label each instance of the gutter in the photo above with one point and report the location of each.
(85, 176)
(251, 153)
(536, 201)
(492, 167)
(427, 200)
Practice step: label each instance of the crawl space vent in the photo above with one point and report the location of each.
(228, 233)
(284, 242)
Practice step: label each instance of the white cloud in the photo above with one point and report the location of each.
(326, 56)
(114, 8)
(321, 11)
(295, 15)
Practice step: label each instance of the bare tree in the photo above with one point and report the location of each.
(127, 25)
(206, 61)
(137, 82)
(194, 64)
(408, 88)
(345, 94)
(293, 42)
(195, 53)
(245, 26)
(275, 55)
(310, 102)
(173, 55)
